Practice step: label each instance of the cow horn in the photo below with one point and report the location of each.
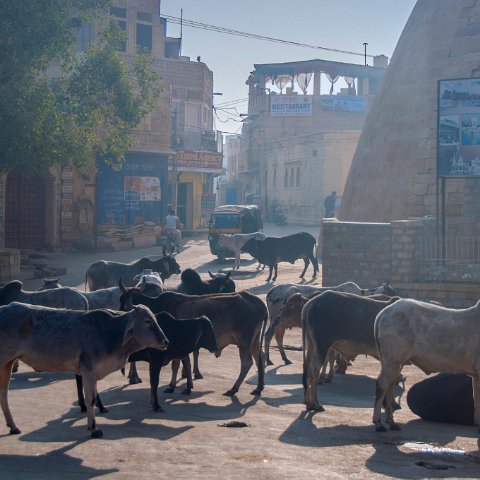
(122, 286)
(211, 274)
(228, 275)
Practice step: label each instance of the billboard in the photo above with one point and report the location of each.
(290, 105)
(458, 128)
(133, 193)
(344, 103)
(199, 162)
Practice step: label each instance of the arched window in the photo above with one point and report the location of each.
(297, 180)
(285, 179)
(291, 177)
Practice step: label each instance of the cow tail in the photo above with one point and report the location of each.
(261, 363)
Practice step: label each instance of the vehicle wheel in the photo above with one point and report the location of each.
(221, 258)
(169, 245)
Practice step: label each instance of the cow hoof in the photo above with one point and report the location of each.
(314, 408)
(396, 406)
(287, 361)
(169, 390)
(198, 376)
(230, 393)
(103, 409)
(269, 362)
(157, 408)
(380, 428)
(83, 408)
(97, 434)
(186, 391)
(15, 431)
(134, 381)
(395, 427)
(257, 391)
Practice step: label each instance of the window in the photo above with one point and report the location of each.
(297, 180)
(144, 37)
(285, 179)
(291, 178)
(122, 24)
(194, 95)
(118, 12)
(274, 181)
(144, 17)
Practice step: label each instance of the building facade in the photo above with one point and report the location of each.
(299, 137)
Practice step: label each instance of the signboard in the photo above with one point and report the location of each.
(458, 131)
(133, 192)
(290, 105)
(344, 103)
(199, 162)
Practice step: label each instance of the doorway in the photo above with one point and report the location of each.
(185, 204)
(24, 211)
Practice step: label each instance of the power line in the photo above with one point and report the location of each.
(230, 31)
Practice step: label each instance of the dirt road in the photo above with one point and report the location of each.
(189, 440)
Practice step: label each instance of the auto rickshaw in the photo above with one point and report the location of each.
(232, 219)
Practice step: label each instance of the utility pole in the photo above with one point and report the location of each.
(365, 47)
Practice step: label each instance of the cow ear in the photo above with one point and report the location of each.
(128, 333)
(227, 276)
(211, 274)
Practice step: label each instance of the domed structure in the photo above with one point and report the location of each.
(393, 173)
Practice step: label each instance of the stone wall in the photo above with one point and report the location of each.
(370, 253)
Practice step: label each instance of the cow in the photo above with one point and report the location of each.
(64, 297)
(432, 337)
(339, 321)
(184, 337)
(91, 344)
(104, 274)
(236, 241)
(149, 276)
(192, 284)
(446, 398)
(237, 319)
(284, 249)
(279, 295)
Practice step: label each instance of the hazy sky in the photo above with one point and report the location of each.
(338, 24)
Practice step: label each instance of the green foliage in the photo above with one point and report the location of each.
(91, 110)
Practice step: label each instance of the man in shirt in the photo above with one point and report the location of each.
(172, 225)
(329, 205)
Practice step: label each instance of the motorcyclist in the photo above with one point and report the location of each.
(172, 226)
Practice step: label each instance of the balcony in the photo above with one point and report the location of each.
(195, 140)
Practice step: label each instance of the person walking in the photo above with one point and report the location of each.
(329, 204)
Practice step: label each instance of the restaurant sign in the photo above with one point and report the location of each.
(200, 162)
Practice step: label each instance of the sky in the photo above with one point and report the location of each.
(335, 24)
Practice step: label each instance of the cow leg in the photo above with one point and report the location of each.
(311, 369)
(246, 363)
(259, 358)
(81, 398)
(329, 361)
(188, 367)
(268, 338)
(306, 261)
(279, 334)
(237, 260)
(173, 380)
(314, 263)
(276, 272)
(476, 399)
(154, 369)
(15, 366)
(133, 377)
(5, 375)
(90, 387)
(196, 371)
(388, 374)
(390, 407)
(270, 271)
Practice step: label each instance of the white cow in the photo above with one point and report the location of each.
(432, 337)
(236, 241)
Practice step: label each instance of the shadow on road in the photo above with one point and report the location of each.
(49, 465)
(25, 380)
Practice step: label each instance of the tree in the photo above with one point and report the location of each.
(90, 110)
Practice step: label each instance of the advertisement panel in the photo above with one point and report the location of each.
(199, 162)
(133, 193)
(344, 103)
(290, 105)
(458, 128)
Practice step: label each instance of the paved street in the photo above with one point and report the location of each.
(188, 440)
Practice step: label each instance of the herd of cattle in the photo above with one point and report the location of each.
(127, 316)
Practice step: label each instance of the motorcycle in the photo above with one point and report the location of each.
(278, 217)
